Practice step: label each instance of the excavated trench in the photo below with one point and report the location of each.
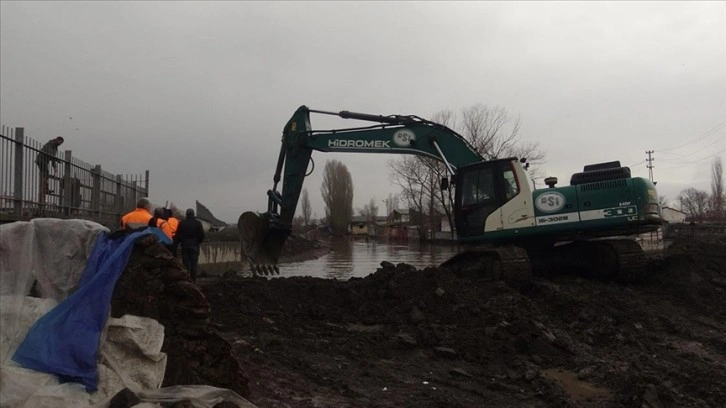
(430, 338)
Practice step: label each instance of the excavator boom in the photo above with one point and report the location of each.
(263, 235)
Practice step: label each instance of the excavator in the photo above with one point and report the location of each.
(510, 230)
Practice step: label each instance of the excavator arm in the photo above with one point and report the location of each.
(263, 235)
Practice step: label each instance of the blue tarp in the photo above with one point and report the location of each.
(65, 340)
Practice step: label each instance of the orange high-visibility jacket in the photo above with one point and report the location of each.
(160, 223)
(137, 218)
(169, 227)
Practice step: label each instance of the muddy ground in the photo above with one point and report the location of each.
(402, 337)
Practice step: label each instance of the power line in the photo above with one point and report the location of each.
(696, 151)
(678, 160)
(686, 164)
(702, 136)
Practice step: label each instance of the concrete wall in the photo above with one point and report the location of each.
(216, 258)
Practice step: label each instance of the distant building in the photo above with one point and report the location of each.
(409, 223)
(362, 225)
(673, 216)
(381, 222)
(402, 216)
(398, 224)
(359, 225)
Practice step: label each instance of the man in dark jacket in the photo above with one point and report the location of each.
(47, 157)
(189, 235)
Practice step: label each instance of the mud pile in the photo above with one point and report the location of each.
(429, 338)
(156, 285)
(700, 278)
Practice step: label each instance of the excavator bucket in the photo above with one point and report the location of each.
(262, 239)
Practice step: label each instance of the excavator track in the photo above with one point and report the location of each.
(507, 263)
(632, 263)
(620, 260)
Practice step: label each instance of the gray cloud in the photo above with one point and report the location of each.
(198, 92)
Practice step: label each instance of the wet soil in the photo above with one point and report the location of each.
(402, 337)
(156, 285)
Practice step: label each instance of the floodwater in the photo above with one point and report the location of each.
(350, 258)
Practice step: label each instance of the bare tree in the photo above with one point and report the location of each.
(337, 192)
(297, 222)
(409, 173)
(416, 176)
(491, 132)
(717, 193)
(445, 117)
(391, 203)
(305, 207)
(495, 135)
(373, 208)
(694, 202)
(370, 212)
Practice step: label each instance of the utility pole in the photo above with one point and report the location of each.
(650, 160)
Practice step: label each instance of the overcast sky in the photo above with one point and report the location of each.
(198, 93)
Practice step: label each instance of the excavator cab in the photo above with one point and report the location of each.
(481, 189)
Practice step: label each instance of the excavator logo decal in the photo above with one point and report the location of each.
(374, 144)
(404, 137)
(550, 202)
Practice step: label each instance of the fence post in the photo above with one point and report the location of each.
(119, 200)
(18, 175)
(96, 195)
(147, 184)
(67, 189)
(137, 192)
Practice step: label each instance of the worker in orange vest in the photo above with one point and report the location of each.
(158, 219)
(171, 224)
(167, 225)
(139, 217)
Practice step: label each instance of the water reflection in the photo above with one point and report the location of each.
(358, 258)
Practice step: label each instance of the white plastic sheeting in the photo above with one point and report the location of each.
(130, 357)
(53, 253)
(50, 251)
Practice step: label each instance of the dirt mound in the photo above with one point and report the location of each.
(695, 275)
(156, 285)
(428, 338)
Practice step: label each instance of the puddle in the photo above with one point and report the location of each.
(575, 387)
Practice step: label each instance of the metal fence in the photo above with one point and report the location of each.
(73, 189)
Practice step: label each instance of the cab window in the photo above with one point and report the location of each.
(478, 187)
(511, 188)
